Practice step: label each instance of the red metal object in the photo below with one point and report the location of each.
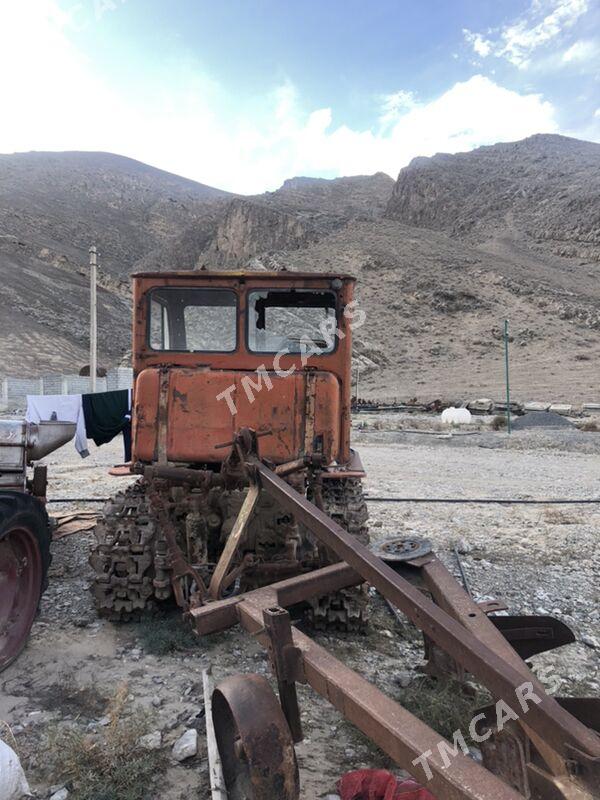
(20, 585)
(286, 664)
(392, 728)
(379, 784)
(562, 731)
(177, 416)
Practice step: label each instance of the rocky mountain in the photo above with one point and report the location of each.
(360, 196)
(300, 212)
(53, 206)
(61, 202)
(544, 191)
(443, 255)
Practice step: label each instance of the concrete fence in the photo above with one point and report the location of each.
(13, 391)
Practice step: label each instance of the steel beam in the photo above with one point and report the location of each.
(557, 727)
(218, 616)
(392, 728)
(449, 596)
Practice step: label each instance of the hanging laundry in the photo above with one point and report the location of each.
(61, 407)
(106, 415)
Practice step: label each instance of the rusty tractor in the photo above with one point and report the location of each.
(214, 353)
(25, 533)
(249, 503)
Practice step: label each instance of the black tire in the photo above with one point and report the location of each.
(19, 511)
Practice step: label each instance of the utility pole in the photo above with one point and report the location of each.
(357, 380)
(93, 319)
(508, 421)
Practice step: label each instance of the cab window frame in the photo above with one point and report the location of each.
(180, 289)
(301, 290)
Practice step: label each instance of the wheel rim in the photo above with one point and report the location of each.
(20, 587)
(254, 741)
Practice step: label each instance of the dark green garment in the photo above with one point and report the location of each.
(105, 414)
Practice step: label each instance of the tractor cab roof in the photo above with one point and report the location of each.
(283, 276)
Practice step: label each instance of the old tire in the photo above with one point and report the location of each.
(254, 741)
(25, 538)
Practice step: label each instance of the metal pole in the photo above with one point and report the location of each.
(215, 768)
(357, 380)
(93, 319)
(508, 424)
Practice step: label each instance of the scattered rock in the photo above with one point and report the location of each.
(186, 746)
(62, 794)
(403, 679)
(591, 641)
(535, 406)
(564, 409)
(151, 741)
(481, 406)
(464, 547)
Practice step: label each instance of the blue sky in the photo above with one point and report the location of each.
(242, 94)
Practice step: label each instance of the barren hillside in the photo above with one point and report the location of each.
(443, 255)
(543, 191)
(62, 201)
(435, 310)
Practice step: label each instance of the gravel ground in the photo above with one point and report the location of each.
(536, 558)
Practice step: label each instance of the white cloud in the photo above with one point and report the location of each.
(582, 51)
(597, 113)
(186, 123)
(482, 47)
(542, 24)
(394, 105)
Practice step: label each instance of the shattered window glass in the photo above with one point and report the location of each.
(291, 320)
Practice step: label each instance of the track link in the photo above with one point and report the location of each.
(346, 610)
(124, 556)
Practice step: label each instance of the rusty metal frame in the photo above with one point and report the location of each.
(501, 677)
(569, 751)
(449, 596)
(225, 574)
(286, 663)
(394, 729)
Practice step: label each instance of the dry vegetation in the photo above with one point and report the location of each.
(109, 764)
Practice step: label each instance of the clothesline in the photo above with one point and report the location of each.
(99, 416)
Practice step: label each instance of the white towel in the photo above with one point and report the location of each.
(66, 407)
(13, 783)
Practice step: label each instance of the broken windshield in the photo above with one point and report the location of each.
(290, 320)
